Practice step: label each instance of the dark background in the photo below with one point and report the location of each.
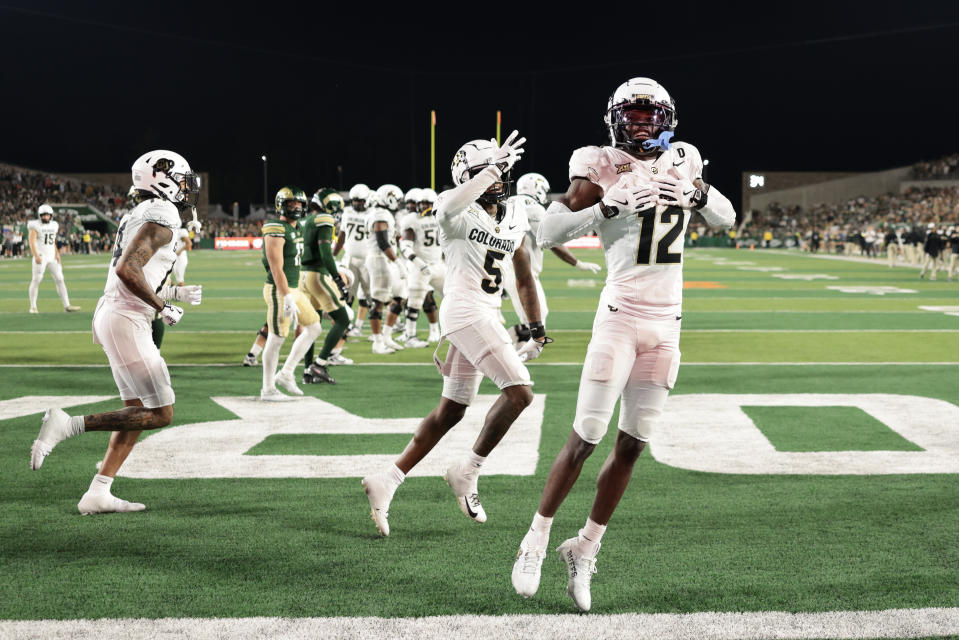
(810, 86)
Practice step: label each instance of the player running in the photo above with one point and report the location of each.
(639, 193)
(478, 233)
(42, 237)
(143, 256)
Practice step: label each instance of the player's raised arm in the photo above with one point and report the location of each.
(470, 186)
(148, 240)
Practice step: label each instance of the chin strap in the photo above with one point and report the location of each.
(194, 225)
(662, 141)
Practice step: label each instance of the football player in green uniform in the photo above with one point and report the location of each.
(282, 253)
(320, 279)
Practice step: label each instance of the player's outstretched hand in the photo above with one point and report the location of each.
(532, 349)
(171, 314)
(509, 152)
(592, 267)
(677, 192)
(192, 293)
(290, 310)
(628, 196)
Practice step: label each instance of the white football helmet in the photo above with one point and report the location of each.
(360, 193)
(412, 198)
(470, 159)
(535, 186)
(391, 196)
(168, 175)
(639, 102)
(45, 210)
(427, 198)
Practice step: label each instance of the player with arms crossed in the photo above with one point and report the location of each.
(143, 257)
(42, 236)
(639, 193)
(478, 233)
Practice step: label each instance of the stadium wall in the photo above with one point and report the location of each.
(834, 190)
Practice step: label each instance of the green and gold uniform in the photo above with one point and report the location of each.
(276, 321)
(318, 265)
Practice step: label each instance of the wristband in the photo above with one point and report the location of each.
(537, 330)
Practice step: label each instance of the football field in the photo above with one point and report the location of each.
(804, 482)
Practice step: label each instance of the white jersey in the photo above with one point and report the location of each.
(182, 239)
(534, 214)
(476, 247)
(353, 226)
(379, 214)
(427, 232)
(46, 241)
(160, 264)
(644, 251)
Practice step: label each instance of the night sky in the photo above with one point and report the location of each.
(812, 86)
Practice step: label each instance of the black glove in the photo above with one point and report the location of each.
(344, 290)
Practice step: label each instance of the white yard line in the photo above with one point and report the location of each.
(760, 625)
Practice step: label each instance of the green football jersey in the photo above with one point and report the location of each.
(292, 250)
(316, 227)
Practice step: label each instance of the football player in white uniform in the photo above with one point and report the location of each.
(384, 274)
(478, 233)
(183, 244)
(143, 256)
(639, 194)
(351, 238)
(391, 198)
(46, 255)
(533, 189)
(420, 245)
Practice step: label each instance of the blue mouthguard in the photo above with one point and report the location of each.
(662, 141)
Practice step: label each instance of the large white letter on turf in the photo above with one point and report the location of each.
(216, 449)
(711, 432)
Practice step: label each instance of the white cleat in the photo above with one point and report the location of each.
(339, 358)
(92, 503)
(527, 569)
(274, 395)
(400, 337)
(355, 332)
(381, 348)
(580, 569)
(54, 428)
(415, 343)
(249, 360)
(287, 382)
(464, 486)
(34, 310)
(70, 308)
(380, 493)
(391, 343)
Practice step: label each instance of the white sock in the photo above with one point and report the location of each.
(256, 349)
(34, 288)
(335, 352)
(358, 324)
(271, 357)
(590, 535)
(377, 338)
(475, 461)
(387, 330)
(300, 346)
(538, 534)
(395, 475)
(435, 328)
(100, 484)
(77, 425)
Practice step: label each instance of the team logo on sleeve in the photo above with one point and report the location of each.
(624, 168)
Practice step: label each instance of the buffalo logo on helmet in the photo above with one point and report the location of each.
(624, 168)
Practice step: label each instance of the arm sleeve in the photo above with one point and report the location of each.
(718, 211)
(325, 246)
(383, 239)
(458, 198)
(560, 224)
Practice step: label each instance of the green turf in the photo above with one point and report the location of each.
(826, 429)
(680, 541)
(326, 444)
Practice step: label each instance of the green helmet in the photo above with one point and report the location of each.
(287, 195)
(328, 200)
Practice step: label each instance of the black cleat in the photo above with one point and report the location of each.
(318, 374)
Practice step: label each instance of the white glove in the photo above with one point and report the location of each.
(171, 314)
(422, 265)
(290, 310)
(509, 152)
(192, 293)
(677, 192)
(532, 349)
(194, 224)
(628, 196)
(592, 267)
